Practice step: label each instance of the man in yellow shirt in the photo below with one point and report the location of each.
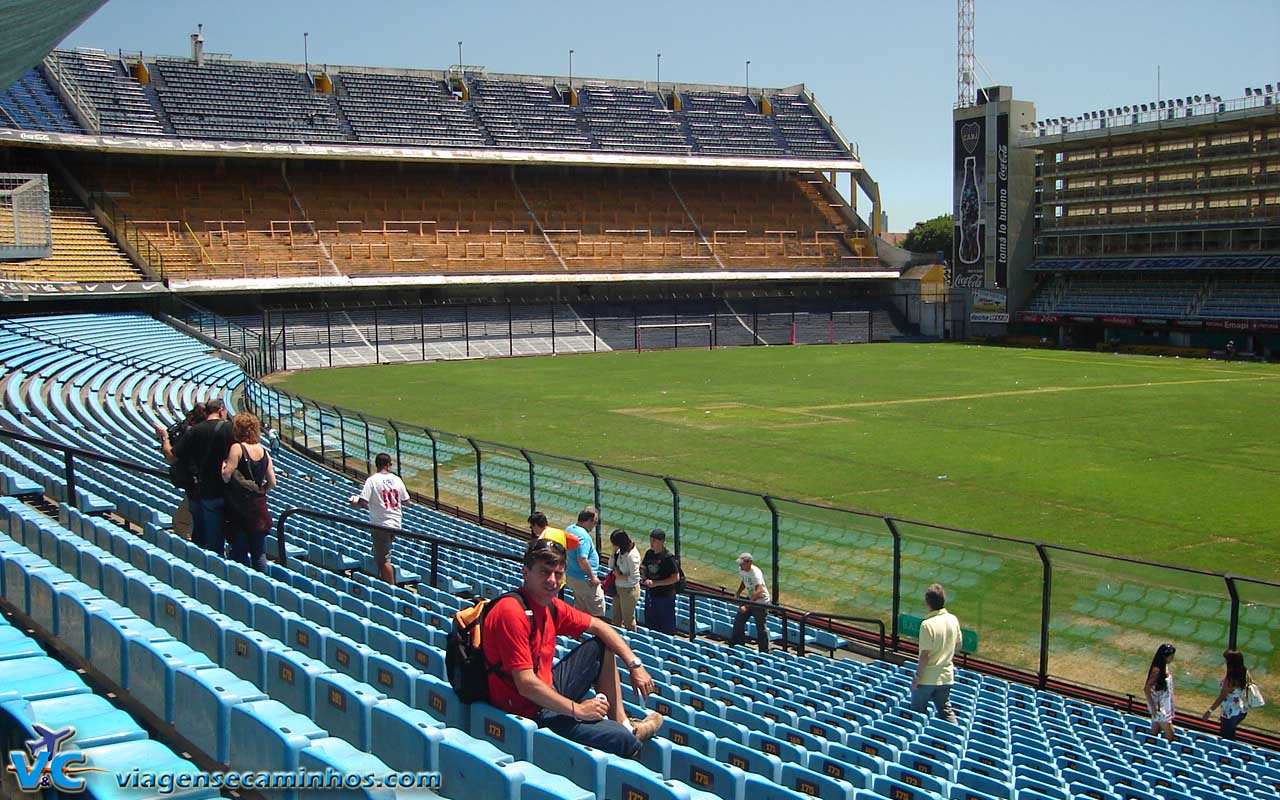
(939, 642)
(541, 530)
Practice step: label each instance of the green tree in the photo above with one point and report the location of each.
(930, 236)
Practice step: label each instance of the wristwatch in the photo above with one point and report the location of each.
(635, 662)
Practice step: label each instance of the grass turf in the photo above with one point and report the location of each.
(1168, 459)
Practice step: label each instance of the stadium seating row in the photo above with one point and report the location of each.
(234, 221)
(261, 102)
(1225, 295)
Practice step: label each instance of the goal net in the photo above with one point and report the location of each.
(25, 230)
(670, 335)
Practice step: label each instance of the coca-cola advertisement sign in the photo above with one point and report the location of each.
(969, 230)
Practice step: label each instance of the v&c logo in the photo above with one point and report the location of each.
(44, 766)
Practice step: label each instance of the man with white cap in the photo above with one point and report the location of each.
(753, 584)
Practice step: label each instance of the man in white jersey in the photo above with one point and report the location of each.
(384, 495)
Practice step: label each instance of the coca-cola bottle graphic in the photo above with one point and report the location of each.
(970, 212)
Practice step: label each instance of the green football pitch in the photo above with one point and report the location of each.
(1169, 460)
(1172, 460)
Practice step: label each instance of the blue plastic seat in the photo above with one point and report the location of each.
(685, 735)
(109, 639)
(478, 770)
(203, 699)
(856, 775)
(814, 784)
(987, 785)
(245, 653)
(343, 706)
(152, 668)
(95, 720)
(749, 759)
(702, 772)
(436, 697)
(509, 733)
(897, 790)
(918, 780)
(291, 679)
(145, 754)
(266, 735)
(786, 751)
(628, 779)
(721, 728)
(349, 658)
(405, 738)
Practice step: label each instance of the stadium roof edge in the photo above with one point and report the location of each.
(154, 145)
(507, 279)
(579, 81)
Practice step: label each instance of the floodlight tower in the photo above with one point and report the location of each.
(966, 89)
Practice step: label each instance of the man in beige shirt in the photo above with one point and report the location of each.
(939, 642)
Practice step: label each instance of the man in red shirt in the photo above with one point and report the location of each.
(581, 697)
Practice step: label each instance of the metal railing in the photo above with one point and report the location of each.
(123, 229)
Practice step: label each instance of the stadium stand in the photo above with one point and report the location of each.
(123, 106)
(1168, 296)
(631, 120)
(253, 102)
(406, 109)
(346, 334)
(801, 129)
(527, 116)
(237, 220)
(728, 123)
(31, 104)
(352, 667)
(83, 251)
(250, 101)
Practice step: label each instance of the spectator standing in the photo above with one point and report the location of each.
(385, 495)
(935, 670)
(248, 531)
(660, 577)
(584, 564)
(1233, 695)
(168, 438)
(752, 582)
(272, 439)
(625, 564)
(519, 641)
(1159, 691)
(205, 447)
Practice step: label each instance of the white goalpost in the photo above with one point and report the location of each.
(674, 327)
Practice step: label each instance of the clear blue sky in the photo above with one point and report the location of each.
(885, 70)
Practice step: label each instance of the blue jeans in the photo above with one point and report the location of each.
(206, 525)
(660, 613)
(740, 627)
(248, 548)
(941, 697)
(1229, 725)
(573, 677)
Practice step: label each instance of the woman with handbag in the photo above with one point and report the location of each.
(249, 475)
(1233, 695)
(625, 570)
